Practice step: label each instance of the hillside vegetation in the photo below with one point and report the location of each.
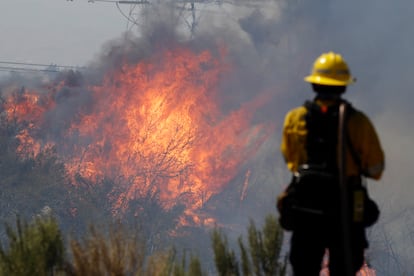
(39, 248)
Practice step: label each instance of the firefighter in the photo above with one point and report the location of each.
(310, 140)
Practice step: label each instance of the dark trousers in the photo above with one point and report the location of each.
(308, 245)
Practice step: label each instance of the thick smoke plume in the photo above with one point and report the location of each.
(271, 46)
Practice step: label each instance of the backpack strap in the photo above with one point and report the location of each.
(354, 154)
(322, 136)
(312, 106)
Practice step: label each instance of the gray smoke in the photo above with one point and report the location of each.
(276, 48)
(376, 39)
(271, 46)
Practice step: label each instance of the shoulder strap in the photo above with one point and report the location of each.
(353, 152)
(355, 156)
(347, 140)
(348, 110)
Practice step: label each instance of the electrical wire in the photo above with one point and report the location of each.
(127, 17)
(40, 64)
(22, 69)
(28, 67)
(13, 66)
(121, 1)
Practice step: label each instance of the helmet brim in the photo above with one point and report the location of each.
(328, 81)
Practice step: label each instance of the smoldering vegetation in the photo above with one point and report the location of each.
(271, 46)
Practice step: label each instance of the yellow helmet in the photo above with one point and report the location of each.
(330, 69)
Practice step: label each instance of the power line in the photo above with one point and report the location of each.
(13, 66)
(120, 1)
(133, 2)
(22, 69)
(40, 64)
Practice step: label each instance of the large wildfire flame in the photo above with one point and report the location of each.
(153, 127)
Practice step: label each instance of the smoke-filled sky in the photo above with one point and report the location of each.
(57, 31)
(273, 44)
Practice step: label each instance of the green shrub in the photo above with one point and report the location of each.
(120, 253)
(33, 249)
(262, 257)
(38, 249)
(115, 253)
(224, 258)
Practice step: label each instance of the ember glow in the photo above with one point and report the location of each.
(152, 127)
(25, 108)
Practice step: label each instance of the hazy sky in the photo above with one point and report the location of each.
(375, 37)
(57, 31)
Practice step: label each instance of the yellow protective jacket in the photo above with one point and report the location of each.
(362, 136)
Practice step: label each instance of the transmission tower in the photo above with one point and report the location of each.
(188, 10)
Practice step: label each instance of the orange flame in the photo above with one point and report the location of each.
(26, 107)
(157, 127)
